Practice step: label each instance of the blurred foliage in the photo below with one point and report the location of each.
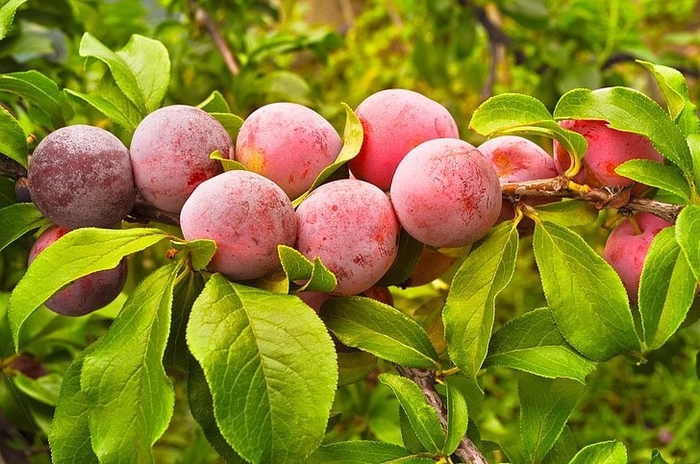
(321, 53)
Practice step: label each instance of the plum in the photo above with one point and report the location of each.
(247, 215)
(288, 143)
(170, 154)
(625, 250)
(518, 159)
(607, 149)
(395, 121)
(351, 226)
(80, 176)
(446, 193)
(88, 293)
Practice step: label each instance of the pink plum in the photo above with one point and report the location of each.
(351, 226)
(626, 250)
(170, 154)
(247, 215)
(395, 121)
(446, 193)
(289, 144)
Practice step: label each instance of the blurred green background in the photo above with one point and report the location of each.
(322, 53)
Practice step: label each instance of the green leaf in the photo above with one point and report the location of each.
(507, 111)
(270, 402)
(187, 289)
(69, 437)
(38, 89)
(675, 89)
(215, 103)
(532, 343)
(687, 233)
(201, 405)
(231, 122)
(513, 113)
(545, 406)
(353, 135)
(354, 366)
(423, 418)
(655, 174)
(365, 452)
(13, 142)
(380, 329)
(606, 452)
(298, 267)
(7, 15)
(18, 219)
(656, 458)
(141, 69)
(76, 254)
(457, 413)
(666, 289)
(200, 252)
(629, 110)
(568, 213)
(470, 308)
(130, 395)
(575, 280)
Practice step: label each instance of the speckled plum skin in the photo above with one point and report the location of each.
(607, 149)
(518, 159)
(87, 294)
(626, 251)
(446, 193)
(247, 215)
(80, 176)
(395, 121)
(170, 154)
(288, 143)
(351, 226)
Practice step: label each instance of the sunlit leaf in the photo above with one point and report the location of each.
(13, 142)
(545, 406)
(532, 343)
(666, 289)
(74, 255)
(380, 329)
(270, 402)
(575, 279)
(18, 219)
(470, 308)
(123, 378)
(421, 415)
(606, 452)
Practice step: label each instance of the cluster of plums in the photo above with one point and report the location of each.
(413, 173)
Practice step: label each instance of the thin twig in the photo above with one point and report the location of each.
(204, 20)
(425, 379)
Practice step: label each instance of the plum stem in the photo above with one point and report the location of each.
(425, 379)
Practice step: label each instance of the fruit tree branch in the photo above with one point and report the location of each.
(204, 20)
(425, 379)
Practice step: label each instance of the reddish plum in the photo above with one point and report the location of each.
(289, 144)
(80, 176)
(607, 149)
(626, 249)
(395, 121)
(446, 193)
(247, 215)
(170, 154)
(351, 226)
